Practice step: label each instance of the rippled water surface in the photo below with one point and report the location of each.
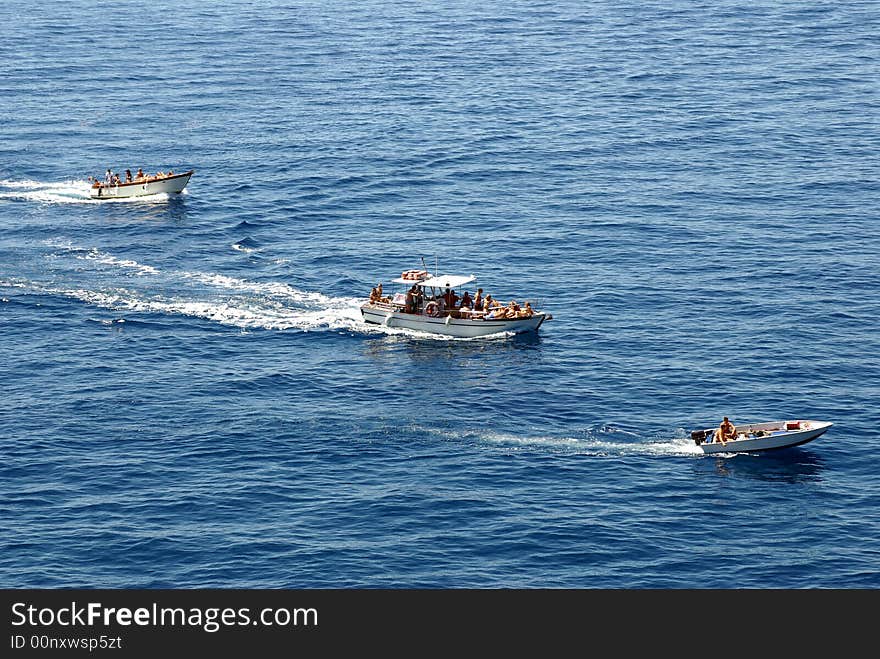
(191, 398)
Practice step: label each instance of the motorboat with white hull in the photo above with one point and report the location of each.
(427, 309)
(141, 187)
(762, 436)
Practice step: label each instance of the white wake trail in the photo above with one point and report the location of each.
(592, 444)
(221, 298)
(63, 192)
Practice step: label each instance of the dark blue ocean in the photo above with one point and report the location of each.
(190, 397)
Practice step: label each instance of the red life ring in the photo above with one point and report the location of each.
(432, 309)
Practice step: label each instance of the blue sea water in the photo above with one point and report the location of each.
(191, 399)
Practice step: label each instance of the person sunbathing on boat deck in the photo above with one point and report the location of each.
(509, 311)
(526, 311)
(494, 309)
(726, 432)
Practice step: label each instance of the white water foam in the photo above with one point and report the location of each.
(593, 444)
(253, 316)
(251, 304)
(245, 314)
(211, 296)
(46, 192)
(407, 333)
(107, 259)
(274, 289)
(96, 255)
(64, 192)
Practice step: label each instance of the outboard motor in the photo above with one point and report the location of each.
(699, 436)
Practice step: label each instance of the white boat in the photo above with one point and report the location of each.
(762, 436)
(428, 311)
(141, 187)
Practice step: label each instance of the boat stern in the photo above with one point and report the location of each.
(700, 436)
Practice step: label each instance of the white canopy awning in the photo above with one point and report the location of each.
(447, 281)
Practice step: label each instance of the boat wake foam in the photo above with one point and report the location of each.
(601, 442)
(121, 284)
(105, 280)
(409, 334)
(63, 192)
(112, 261)
(246, 246)
(245, 312)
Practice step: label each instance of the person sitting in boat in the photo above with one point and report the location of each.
(526, 311)
(450, 299)
(466, 302)
(725, 432)
(116, 179)
(170, 172)
(376, 294)
(478, 300)
(128, 176)
(512, 309)
(160, 174)
(140, 174)
(494, 309)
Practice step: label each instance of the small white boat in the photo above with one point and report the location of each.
(428, 310)
(141, 187)
(762, 436)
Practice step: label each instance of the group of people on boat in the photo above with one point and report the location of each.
(449, 302)
(486, 305)
(376, 294)
(113, 178)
